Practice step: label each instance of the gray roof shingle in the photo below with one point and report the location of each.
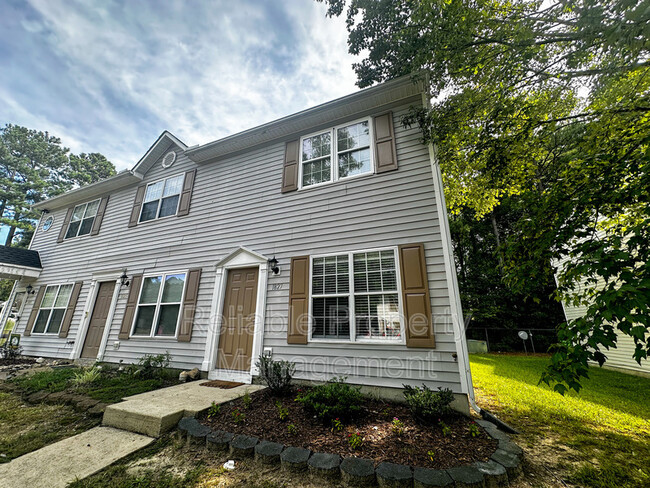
(20, 257)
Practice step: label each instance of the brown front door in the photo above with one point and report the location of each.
(238, 324)
(98, 320)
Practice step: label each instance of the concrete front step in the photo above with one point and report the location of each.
(57, 465)
(156, 412)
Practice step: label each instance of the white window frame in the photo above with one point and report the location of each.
(85, 205)
(52, 308)
(334, 154)
(351, 302)
(164, 180)
(158, 305)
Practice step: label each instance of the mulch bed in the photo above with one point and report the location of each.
(380, 442)
(13, 362)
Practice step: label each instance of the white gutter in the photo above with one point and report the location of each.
(450, 270)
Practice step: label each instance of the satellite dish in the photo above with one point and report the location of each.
(523, 335)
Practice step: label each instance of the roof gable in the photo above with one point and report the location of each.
(156, 151)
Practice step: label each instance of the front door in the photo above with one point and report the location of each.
(98, 320)
(238, 324)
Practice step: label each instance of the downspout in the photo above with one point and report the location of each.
(452, 279)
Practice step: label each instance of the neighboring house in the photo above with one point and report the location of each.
(347, 201)
(621, 357)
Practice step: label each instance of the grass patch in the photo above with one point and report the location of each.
(25, 428)
(603, 431)
(110, 387)
(120, 477)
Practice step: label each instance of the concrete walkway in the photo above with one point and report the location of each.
(156, 412)
(77, 457)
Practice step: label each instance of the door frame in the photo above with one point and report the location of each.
(240, 258)
(89, 306)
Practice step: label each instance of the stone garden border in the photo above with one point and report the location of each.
(504, 464)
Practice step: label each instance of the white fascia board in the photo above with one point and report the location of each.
(80, 195)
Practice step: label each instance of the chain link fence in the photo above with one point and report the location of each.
(511, 340)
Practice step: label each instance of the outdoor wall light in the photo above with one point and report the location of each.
(29, 289)
(273, 264)
(124, 279)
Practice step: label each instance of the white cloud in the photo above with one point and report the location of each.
(125, 71)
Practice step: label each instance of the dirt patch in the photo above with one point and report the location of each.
(417, 445)
(226, 385)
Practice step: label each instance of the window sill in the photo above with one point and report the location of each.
(340, 180)
(156, 219)
(155, 338)
(392, 342)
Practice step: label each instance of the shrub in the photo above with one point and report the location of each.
(397, 426)
(247, 400)
(276, 374)
(333, 400)
(355, 440)
(283, 412)
(9, 352)
(151, 366)
(426, 405)
(86, 376)
(214, 410)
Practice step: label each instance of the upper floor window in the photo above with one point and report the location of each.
(355, 296)
(159, 305)
(340, 152)
(82, 219)
(161, 198)
(53, 305)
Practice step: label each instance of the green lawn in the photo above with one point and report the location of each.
(601, 436)
(25, 428)
(110, 387)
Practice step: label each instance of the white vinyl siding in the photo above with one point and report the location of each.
(237, 201)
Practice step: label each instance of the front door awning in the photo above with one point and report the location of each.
(17, 263)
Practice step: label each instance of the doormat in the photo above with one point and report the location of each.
(226, 385)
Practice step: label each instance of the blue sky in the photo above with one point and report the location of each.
(109, 76)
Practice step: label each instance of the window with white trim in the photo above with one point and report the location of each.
(161, 198)
(82, 219)
(159, 305)
(53, 305)
(348, 145)
(358, 302)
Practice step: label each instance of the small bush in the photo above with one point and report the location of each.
(9, 352)
(151, 366)
(426, 405)
(214, 410)
(283, 412)
(355, 440)
(86, 376)
(276, 374)
(247, 400)
(333, 400)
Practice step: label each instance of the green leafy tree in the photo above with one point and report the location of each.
(35, 166)
(547, 103)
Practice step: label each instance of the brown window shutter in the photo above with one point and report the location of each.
(189, 305)
(69, 312)
(415, 296)
(35, 309)
(99, 217)
(186, 195)
(297, 331)
(290, 169)
(64, 227)
(385, 152)
(131, 305)
(137, 205)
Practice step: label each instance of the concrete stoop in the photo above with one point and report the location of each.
(77, 457)
(156, 412)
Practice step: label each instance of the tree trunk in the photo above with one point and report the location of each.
(10, 236)
(498, 238)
